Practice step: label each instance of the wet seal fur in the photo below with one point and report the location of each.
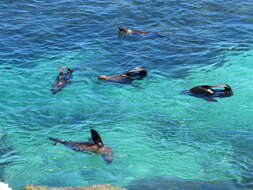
(209, 92)
(64, 78)
(138, 73)
(95, 145)
(128, 31)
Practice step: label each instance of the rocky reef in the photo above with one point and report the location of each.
(93, 187)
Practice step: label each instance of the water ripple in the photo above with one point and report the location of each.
(153, 130)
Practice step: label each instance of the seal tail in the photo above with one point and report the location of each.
(96, 137)
(56, 140)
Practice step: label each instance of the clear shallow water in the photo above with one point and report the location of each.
(153, 130)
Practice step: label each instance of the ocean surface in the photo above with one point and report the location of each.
(156, 132)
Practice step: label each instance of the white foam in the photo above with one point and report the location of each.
(4, 186)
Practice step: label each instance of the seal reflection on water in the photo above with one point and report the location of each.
(138, 73)
(63, 79)
(209, 92)
(95, 145)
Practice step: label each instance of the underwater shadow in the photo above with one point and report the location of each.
(6, 152)
(174, 183)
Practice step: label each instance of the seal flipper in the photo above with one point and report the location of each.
(56, 140)
(96, 137)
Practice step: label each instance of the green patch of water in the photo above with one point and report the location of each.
(153, 130)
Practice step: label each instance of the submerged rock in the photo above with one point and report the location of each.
(175, 183)
(93, 187)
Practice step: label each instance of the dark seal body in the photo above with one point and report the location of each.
(138, 73)
(128, 31)
(95, 145)
(63, 79)
(209, 92)
(123, 79)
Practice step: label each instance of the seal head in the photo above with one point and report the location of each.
(137, 73)
(62, 79)
(125, 31)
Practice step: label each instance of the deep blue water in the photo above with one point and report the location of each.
(153, 130)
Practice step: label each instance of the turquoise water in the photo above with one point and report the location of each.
(153, 130)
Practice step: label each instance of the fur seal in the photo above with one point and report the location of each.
(128, 31)
(95, 145)
(209, 92)
(138, 73)
(63, 79)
